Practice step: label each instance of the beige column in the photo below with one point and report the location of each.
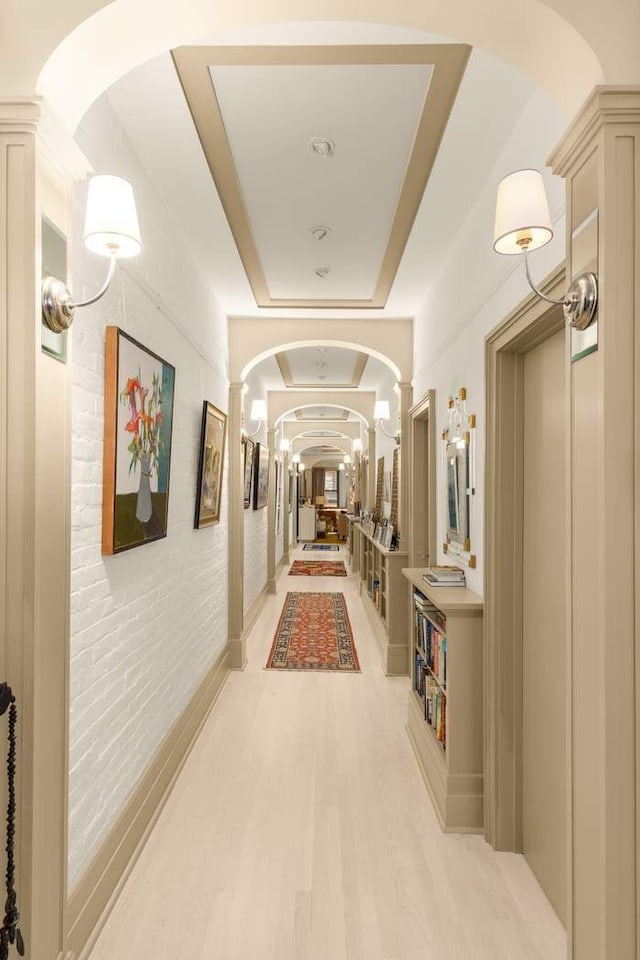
(600, 158)
(271, 513)
(371, 472)
(285, 509)
(34, 520)
(236, 528)
(406, 402)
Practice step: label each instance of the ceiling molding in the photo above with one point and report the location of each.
(358, 370)
(192, 65)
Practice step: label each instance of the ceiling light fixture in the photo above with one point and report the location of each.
(322, 147)
(523, 224)
(111, 230)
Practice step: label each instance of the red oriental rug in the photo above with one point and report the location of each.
(314, 633)
(318, 568)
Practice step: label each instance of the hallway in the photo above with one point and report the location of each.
(300, 828)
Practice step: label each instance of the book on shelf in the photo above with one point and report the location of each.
(443, 576)
(444, 572)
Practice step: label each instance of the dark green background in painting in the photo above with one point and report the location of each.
(164, 460)
(129, 531)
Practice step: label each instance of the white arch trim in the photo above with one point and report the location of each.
(529, 34)
(278, 417)
(318, 342)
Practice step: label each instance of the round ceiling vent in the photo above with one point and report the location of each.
(322, 147)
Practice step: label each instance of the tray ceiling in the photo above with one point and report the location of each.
(382, 110)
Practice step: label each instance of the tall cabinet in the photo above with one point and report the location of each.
(445, 716)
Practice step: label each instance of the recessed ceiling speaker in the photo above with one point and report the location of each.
(322, 272)
(320, 232)
(322, 147)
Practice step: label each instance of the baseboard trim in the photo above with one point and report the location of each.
(254, 612)
(94, 897)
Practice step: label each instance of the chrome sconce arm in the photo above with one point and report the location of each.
(579, 303)
(58, 305)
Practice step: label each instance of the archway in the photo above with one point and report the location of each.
(126, 33)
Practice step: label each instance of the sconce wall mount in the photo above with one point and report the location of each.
(111, 230)
(523, 224)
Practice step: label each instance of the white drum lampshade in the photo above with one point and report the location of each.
(259, 410)
(111, 222)
(381, 410)
(284, 445)
(357, 445)
(522, 213)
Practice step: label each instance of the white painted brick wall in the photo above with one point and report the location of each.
(145, 625)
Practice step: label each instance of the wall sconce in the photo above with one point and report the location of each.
(284, 445)
(523, 224)
(301, 467)
(356, 446)
(382, 413)
(346, 459)
(341, 466)
(259, 415)
(111, 230)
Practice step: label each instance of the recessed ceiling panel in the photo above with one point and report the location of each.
(322, 367)
(321, 156)
(322, 413)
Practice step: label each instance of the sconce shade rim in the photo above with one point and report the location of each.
(113, 244)
(507, 244)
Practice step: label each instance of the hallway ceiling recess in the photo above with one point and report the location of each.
(321, 156)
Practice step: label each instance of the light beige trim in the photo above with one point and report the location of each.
(254, 612)
(192, 66)
(532, 322)
(95, 895)
(287, 377)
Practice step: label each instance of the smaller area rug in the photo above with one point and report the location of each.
(318, 568)
(314, 633)
(321, 546)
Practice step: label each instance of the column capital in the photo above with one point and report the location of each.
(606, 105)
(20, 114)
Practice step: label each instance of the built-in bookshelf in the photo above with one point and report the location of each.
(445, 717)
(383, 590)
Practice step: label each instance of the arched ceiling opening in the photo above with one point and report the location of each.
(529, 34)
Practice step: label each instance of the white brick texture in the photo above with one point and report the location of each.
(147, 624)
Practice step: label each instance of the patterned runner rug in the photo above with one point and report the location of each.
(318, 568)
(321, 546)
(314, 633)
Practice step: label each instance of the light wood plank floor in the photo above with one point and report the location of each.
(300, 829)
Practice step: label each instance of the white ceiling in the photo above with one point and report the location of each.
(329, 413)
(270, 115)
(323, 366)
(150, 104)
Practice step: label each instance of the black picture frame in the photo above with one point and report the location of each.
(249, 454)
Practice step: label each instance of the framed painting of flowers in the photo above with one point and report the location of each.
(138, 415)
(212, 441)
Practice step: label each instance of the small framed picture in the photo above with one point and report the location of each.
(249, 453)
(261, 477)
(211, 466)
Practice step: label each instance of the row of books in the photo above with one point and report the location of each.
(374, 590)
(434, 699)
(444, 576)
(425, 606)
(433, 646)
(435, 709)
